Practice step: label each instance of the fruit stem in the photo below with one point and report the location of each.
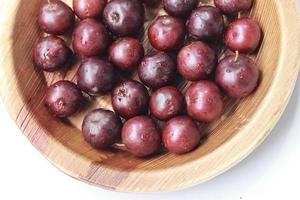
(51, 5)
(239, 15)
(236, 56)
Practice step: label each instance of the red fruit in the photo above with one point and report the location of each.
(232, 7)
(63, 99)
(205, 23)
(52, 53)
(166, 33)
(141, 136)
(238, 78)
(56, 17)
(157, 69)
(243, 35)
(130, 99)
(89, 8)
(166, 102)
(196, 61)
(126, 53)
(181, 135)
(90, 38)
(124, 17)
(101, 128)
(204, 101)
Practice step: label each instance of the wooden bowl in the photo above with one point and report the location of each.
(243, 126)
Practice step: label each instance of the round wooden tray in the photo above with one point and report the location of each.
(243, 126)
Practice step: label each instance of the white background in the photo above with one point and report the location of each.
(272, 171)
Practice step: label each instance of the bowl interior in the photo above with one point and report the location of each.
(116, 162)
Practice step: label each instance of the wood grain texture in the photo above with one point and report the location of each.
(243, 126)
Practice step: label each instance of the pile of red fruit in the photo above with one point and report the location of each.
(106, 41)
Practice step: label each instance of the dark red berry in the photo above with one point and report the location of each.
(243, 35)
(55, 17)
(204, 101)
(96, 76)
(90, 38)
(237, 77)
(89, 8)
(124, 17)
(141, 136)
(181, 135)
(205, 23)
(232, 7)
(179, 8)
(52, 53)
(63, 99)
(196, 61)
(101, 128)
(129, 99)
(157, 69)
(166, 33)
(126, 53)
(166, 102)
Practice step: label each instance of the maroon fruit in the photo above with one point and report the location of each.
(89, 8)
(206, 23)
(166, 102)
(196, 61)
(204, 101)
(179, 8)
(181, 135)
(232, 7)
(157, 69)
(101, 128)
(166, 33)
(95, 76)
(90, 38)
(238, 78)
(130, 99)
(141, 136)
(63, 99)
(124, 17)
(243, 35)
(126, 53)
(55, 17)
(52, 53)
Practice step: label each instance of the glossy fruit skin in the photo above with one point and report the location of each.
(55, 18)
(157, 69)
(204, 101)
(90, 38)
(243, 35)
(232, 7)
(63, 99)
(237, 78)
(124, 17)
(179, 8)
(205, 23)
(166, 103)
(52, 53)
(181, 135)
(166, 33)
(101, 128)
(141, 136)
(89, 8)
(130, 99)
(96, 76)
(126, 53)
(196, 61)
